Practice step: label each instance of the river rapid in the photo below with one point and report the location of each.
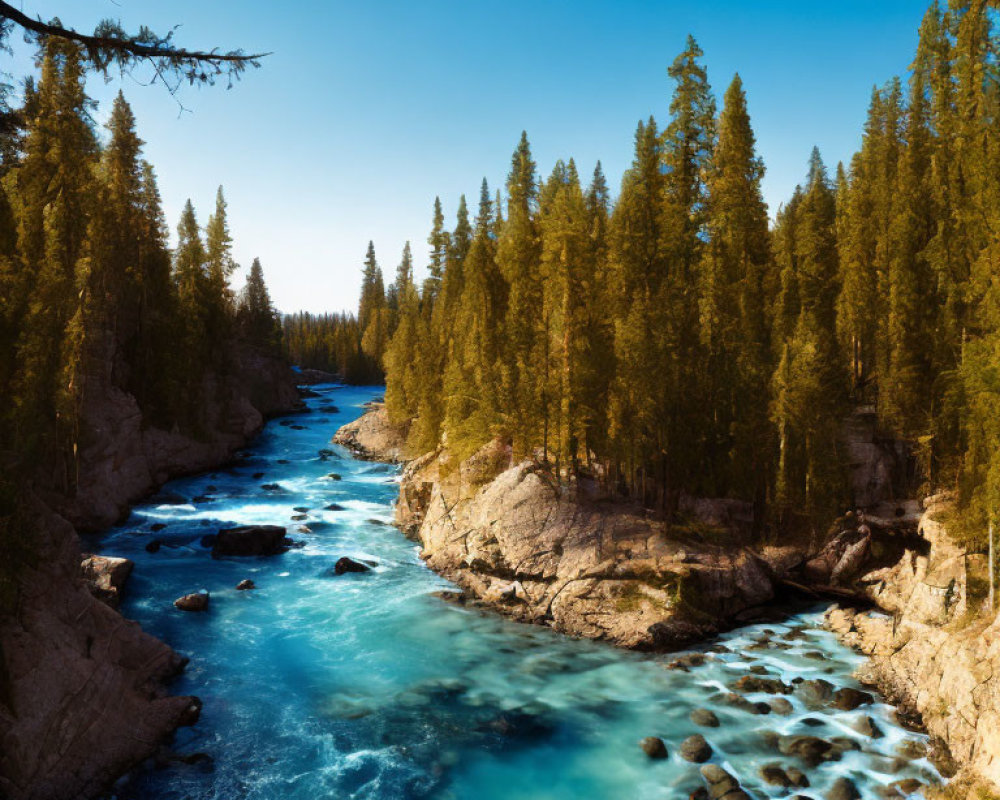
(369, 685)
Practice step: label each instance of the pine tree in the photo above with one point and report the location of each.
(472, 376)
(438, 241)
(53, 184)
(401, 359)
(517, 256)
(733, 324)
(256, 316)
(808, 385)
(220, 266)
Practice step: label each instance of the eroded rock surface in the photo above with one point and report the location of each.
(83, 697)
(106, 577)
(925, 654)
(547, 554)
(373, 437)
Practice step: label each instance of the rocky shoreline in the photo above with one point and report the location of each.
(83, 694)
(568, 558)
(929, 654)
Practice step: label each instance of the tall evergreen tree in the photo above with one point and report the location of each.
(733, 324)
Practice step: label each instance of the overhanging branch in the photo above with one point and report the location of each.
(109, 45)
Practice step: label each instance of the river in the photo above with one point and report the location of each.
(370, 686)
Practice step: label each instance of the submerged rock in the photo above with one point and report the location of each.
(154, 546)
(653, 747)
(815, 692)
(848, 699)
(193, 602)
(752, 684)
(250, 540)
(775, 776)
(811, 749)
(779, 705)
(866, 726)
(704, 717)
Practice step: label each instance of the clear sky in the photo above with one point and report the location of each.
(366, 110)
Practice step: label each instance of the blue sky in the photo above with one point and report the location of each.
(367, 110)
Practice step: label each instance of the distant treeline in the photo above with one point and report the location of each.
(676, 342)
(91, 297)
(332, 343)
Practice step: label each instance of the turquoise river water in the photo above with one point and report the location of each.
(370, 686)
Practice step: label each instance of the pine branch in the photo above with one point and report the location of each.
(110, 45)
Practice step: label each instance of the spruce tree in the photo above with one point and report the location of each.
(517, 256)
(733, 325)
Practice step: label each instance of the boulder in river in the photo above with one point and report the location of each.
(106, 577)
(704, 717)
(157, 526)
(754, 683)
(815, 692)
(696, 749)
(245, 584)
(775, 776)
(193, 602)
(153, 546)
(843, 789)
(334, 507)
(848, 699)
(811, 749)
(653, 747)
(722, 784)
(866, 726)
(779, 705)
(250, 540)
(345, 564)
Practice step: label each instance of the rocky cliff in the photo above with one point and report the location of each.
(559, 556)
(928, 652)
(82, 692)
(122, 458)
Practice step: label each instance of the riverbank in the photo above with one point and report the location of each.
(564, 558)
(83, 691)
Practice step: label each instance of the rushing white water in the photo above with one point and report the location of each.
(369, 686)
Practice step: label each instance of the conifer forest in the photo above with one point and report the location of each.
(656, 478)
(672, 339)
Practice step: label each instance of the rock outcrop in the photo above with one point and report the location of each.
(559, 556)
(106, 577)
(82, 695)
(250, 540)
(927, 654)
(373, 437)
